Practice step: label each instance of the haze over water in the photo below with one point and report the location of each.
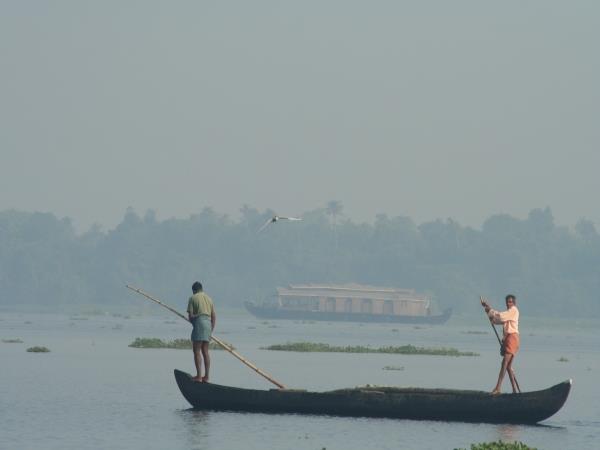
(93, 391)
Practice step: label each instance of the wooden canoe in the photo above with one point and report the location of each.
(393, 402)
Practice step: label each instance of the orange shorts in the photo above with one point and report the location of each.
(511, 343)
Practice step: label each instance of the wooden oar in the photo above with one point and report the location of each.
(500, 342)
(492, 324)
(213, 337)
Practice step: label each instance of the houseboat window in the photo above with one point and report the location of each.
(348, 305)
(366, 306)
(388, 307)
(315, 305)
(330, 304)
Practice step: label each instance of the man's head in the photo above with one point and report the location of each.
(196, 287)
(510, 300)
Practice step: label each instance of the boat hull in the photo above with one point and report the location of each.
(267, 312)
(399, 403)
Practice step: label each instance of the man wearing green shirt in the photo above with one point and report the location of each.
(201, 313)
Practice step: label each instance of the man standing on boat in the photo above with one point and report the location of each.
(201, 313)
(509, 320)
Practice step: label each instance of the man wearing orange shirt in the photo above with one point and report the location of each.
(509, 320)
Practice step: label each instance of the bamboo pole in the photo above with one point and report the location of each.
(213, 337)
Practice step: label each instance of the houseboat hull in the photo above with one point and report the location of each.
(273, 312)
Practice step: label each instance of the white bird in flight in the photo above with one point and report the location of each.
(275, 219)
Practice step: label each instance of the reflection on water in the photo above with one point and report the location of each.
(509, 433)
(197, 425)
(512, 433)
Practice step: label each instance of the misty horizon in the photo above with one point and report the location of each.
(268, 212)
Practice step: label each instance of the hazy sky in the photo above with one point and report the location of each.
(428, 109)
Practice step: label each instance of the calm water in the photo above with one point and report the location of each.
(93, 391)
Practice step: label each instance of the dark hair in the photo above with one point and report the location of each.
(196, 287)
(514, 299)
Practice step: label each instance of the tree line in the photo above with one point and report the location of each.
(553, 270)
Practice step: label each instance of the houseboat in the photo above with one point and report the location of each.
(349, 302)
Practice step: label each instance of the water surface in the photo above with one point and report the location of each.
(93, 391)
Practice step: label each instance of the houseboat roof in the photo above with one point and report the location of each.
(351, 290)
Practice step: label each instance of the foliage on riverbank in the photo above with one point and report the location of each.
(453, 262)
(12, 341)
(499, 445)
(38, 350)
(403, 350)
(178, 344)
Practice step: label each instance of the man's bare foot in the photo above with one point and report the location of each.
(205, 379)
(197, 379)
(496, 392)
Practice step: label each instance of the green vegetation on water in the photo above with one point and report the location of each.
(499, 445)
(403, 350)
(562, 359)
(12, 341)
(178, 344)
(38, 350)
(393, 368)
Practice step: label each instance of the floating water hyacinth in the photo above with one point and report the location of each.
(499, 445)
(403, 350)
(178, 344)
(393, 368)
(12, 341)
(38, 350)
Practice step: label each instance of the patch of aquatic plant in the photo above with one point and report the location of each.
(38, 350)
(177, 344)
(159, 343)
(499, 445)
(12, 341)
(393, 368)
(403, 350)
(214, 346)
(562, 359)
